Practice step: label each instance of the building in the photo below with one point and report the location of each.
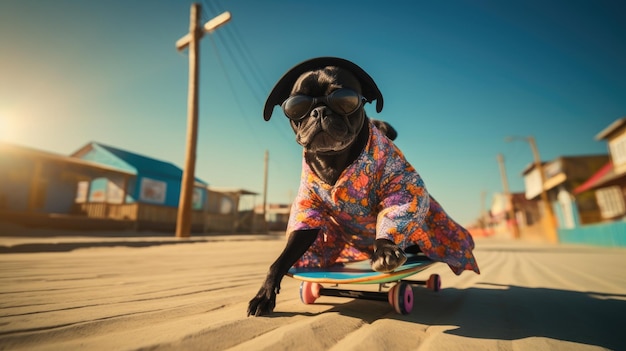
(562, 176)
(276, 215)
(147, 180)
(104, 187)
(232, 210)
(35, 184)
(608, 185)
(500, 223)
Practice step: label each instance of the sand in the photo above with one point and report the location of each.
(530, 296)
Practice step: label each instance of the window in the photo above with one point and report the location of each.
(611, 202)
(82, 191)
(618, 150)
(152, 191)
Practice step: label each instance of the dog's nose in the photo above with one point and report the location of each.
(319, 112)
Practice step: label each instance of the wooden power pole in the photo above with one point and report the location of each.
(192, 40)
(548, 218)
(550, 221)
(509, 197)
(267, 158)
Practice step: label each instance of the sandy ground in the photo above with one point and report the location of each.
(530, 296)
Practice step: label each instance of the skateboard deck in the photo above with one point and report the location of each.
(399, 296)
(360, 272)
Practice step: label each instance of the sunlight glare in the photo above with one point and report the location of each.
(8, 126)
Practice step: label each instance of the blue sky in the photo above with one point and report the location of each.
(457, 78)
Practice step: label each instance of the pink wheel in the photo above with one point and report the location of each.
(309, 292)
(401, 298)
(434, 283)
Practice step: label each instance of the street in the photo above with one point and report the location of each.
(193, 296)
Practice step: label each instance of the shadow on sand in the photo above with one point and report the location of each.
(71, 246)
(502, 312)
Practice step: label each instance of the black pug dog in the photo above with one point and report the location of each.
(358, 198)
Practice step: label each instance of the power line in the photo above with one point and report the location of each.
(232, 89)
(241, 55)
(245, 53)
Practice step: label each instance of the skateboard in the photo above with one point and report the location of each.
(399, 296)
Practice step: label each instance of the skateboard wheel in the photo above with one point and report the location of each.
(309, 292)
(401, 298)
(434, 283)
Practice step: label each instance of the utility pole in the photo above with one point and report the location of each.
(267, 158)
(483, 212)
(548, 217)
(192, 40)
(549, 213)
(509, 197)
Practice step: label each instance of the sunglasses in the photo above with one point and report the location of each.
(342, 101)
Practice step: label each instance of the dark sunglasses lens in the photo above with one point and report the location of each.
(296, 107)
(344, 101)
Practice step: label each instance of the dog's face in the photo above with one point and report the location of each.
(323, 99)
(325, 110)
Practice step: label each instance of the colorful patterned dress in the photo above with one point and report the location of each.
(379, 196)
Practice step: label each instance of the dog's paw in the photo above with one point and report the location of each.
(265, 300)
(263, 303)
(387, 256)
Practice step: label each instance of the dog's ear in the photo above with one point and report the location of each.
(282, 89)
(385, 128)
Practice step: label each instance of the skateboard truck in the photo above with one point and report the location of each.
(399, 296)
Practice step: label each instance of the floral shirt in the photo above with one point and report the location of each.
(380, 195)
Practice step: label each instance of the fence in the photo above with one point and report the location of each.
(603, 234)
(148, 216)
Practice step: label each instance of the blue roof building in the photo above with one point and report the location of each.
(152, 181)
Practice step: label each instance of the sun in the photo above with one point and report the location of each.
(3, 126)
(8, 126)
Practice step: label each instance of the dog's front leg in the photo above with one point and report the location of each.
(299, 241)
